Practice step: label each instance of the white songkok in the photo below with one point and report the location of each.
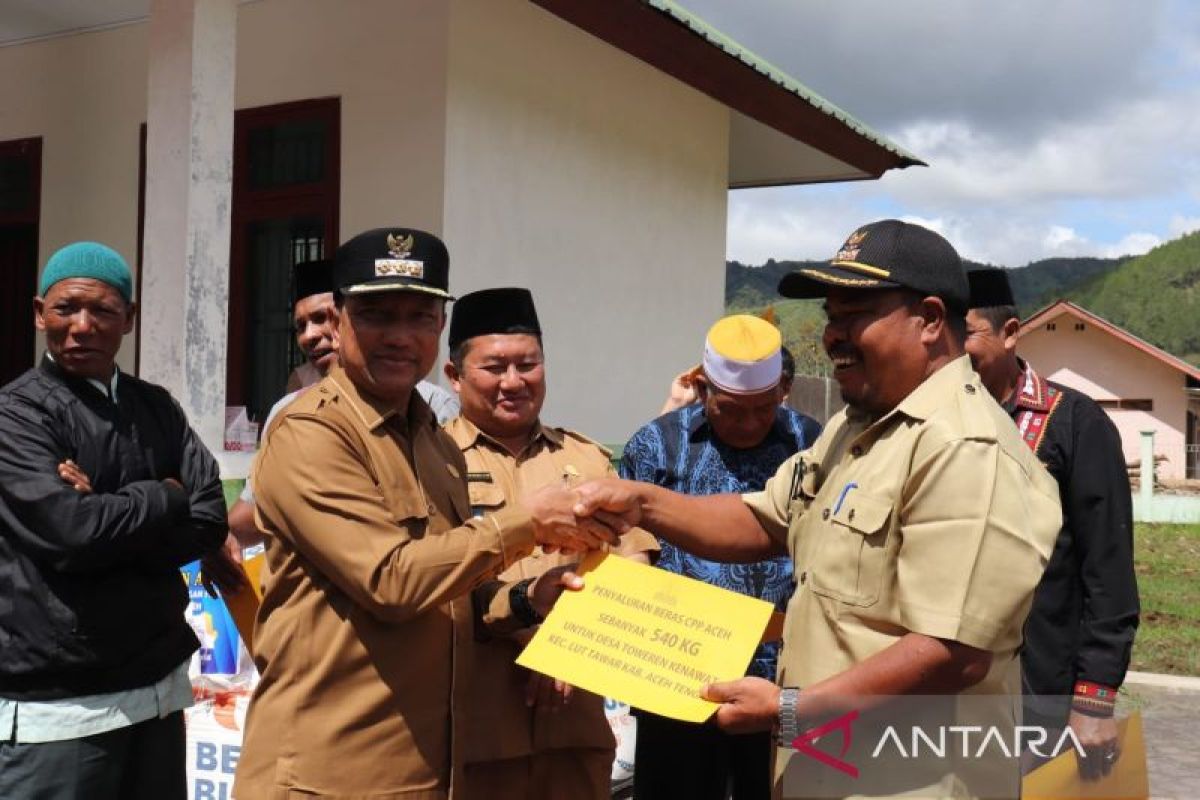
(742, 355)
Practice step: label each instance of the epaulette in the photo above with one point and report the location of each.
(586, 440)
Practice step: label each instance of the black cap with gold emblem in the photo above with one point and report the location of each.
(888, 254)
(392, 260)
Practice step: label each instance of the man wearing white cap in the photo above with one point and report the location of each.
(732, 440)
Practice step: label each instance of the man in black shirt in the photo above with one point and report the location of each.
(1085, 611)
(105, 491)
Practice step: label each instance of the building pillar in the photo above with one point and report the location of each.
(189, 176)
(1146, 471)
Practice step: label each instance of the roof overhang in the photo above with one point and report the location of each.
(781, 133)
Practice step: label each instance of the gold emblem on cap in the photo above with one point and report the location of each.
(399, 267)
(850, 249)
(400, 248)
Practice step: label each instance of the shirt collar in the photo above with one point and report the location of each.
(466, 434)
(373, 411)
(109, 391)
(1033, 391)
(931, 395)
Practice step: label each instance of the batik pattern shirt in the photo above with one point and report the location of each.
(680, 451)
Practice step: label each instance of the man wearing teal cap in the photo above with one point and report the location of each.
(105, 491)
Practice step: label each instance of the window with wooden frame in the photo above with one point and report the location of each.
(285, 211)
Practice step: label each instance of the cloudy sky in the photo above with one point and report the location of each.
(1052, 127)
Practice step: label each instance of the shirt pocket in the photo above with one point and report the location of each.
(849, 562)
(408, 506)
(486, 498)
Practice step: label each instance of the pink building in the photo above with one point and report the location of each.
(1141, 387)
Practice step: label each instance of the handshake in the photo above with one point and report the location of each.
(586, 517)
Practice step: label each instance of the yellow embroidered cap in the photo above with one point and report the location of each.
(742, 354)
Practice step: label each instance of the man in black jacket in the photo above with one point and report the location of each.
(105, 491)
(1085, 612)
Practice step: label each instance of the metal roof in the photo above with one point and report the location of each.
(776, 75)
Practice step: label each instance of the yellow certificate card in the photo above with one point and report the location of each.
(647, 637)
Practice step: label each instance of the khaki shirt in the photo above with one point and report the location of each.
(934, 519)
(371, 555)
(500, 725)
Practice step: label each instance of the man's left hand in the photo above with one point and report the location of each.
(546, 693)
(748, 705)
(549, 586)
(1098, 736)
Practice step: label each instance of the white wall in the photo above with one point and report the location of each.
(546, 158)
(85, 94)
(387, 62)
(599, 183)
(86, 97)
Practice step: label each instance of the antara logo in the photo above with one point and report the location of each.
(974, 741)
(805, 743)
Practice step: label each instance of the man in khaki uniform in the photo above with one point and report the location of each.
(527, 736)
(918, 524)
(372, 552)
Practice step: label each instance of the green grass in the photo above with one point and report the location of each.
(1167, 559)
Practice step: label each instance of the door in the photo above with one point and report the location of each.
(20, 201)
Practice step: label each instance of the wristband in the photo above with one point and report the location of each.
(518, 600)
(789, 719)
(1094, 699)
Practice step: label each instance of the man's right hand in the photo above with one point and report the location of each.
(223, 569)
(70, 472)
(612, 501)
(682, 392)
(556, 526)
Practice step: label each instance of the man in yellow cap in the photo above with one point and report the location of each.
(527, 736)
(732, 440)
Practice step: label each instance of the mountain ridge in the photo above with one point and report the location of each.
(1155, 296)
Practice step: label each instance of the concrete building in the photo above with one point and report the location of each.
(584, 149)
(1141, 387)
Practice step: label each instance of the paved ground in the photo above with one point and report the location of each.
(1171, 718)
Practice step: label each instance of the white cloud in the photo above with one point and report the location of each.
(1180, 225)
(1132, 244)
(1068, 137)
(1009, 65)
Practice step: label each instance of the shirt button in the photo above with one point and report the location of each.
(803, 577)
(856, 451)
(850, 516)
(970, 389)
(825, 514)
(432, 509)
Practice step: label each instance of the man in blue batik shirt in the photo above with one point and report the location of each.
(732, 440)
